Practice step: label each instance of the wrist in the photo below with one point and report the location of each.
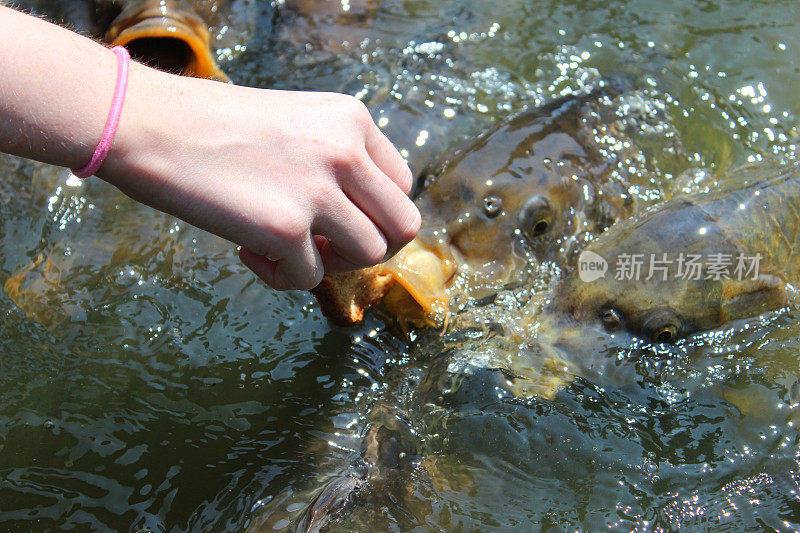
(171, 141)
(139, 157)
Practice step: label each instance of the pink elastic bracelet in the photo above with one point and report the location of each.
(100, 153)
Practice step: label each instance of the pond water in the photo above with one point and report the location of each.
(149, 382)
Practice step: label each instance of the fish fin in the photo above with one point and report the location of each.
(328, 505)
(387, 445)
(751, 297)
(390, 441)
(36, 289)
(544, 382)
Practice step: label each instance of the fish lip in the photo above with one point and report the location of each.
(152, 23)
(424, 272)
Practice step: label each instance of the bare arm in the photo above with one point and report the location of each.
(304, 182)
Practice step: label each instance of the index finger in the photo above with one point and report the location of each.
(386, 157)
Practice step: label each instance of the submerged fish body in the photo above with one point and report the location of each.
(703, 260)
(534, 189)
(389, 446)
(330, 26)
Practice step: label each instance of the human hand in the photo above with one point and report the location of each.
(306, 183)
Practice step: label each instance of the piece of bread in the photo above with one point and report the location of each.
(344, 297)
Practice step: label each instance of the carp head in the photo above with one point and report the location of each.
(165, 34)
(652, 278)
(526, 192)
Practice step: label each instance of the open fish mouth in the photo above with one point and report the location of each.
(412, 285)
(178, 43)
(422, 275)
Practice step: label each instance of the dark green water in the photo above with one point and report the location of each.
(149, 382)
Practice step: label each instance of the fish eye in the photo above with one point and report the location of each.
(611, 319)
(540, 227)
(665, 334)
(536, 216)
(663, 325)
(492, 206)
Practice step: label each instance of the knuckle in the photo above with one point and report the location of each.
(292, 230)
(297, 279)
(357, 111)
(262, 244)
(343, 159)
(342, 163)
(325, 194)
(347, 157)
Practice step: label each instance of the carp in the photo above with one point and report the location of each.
(171, 35)
(534, 189)
(689, 265)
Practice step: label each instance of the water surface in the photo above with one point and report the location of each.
(148, 381)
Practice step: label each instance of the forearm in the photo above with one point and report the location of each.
(301, 180)
(55, 90)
